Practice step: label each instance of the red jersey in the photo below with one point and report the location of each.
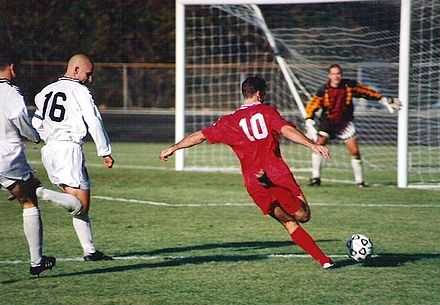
(252, 132)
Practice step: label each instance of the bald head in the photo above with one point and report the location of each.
(80, 67)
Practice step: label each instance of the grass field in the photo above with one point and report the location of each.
(195, 238)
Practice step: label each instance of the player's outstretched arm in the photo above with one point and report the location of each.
(190, 140)
(297, 136)
(24, 126)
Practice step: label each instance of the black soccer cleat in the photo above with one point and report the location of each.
(47, 263)
(362, 185)
(97, 256)
(315, 182)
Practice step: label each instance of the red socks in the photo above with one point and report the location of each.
(306, 242)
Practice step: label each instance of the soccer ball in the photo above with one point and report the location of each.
(359, 247)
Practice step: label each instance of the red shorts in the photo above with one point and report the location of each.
(285, 192)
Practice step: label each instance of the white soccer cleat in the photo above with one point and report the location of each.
(328, 265)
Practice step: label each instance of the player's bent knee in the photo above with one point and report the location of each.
(24, 194)
(302, 216)
(282, 216)
(78, 211)
(83, 216)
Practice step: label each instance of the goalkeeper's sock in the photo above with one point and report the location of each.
(316, 165)
(301, 238)
(356, 164)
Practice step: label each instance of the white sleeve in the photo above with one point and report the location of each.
(37, 123)
(93, 119)
(22, 122)
(37, 120)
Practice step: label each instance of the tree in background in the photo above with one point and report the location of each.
(109, 31)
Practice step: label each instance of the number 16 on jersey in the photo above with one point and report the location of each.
(56, 116)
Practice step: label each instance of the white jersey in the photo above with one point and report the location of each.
(66, 111)
(14, 124)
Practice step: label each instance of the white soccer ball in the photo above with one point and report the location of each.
(359, 247)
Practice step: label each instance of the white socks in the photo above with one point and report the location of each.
(356, 164)
(67, 201)
(81, 223)
(33, 231)
(357, 170)
(83, 229)
(316, 165)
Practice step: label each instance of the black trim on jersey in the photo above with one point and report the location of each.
(37, 116)
(351, 83)
(17, 89)
(69, 78)
(321, 91)
(11, 83)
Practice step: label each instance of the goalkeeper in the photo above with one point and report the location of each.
(335, 99)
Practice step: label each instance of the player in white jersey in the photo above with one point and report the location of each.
(15, 172)
(65, 113)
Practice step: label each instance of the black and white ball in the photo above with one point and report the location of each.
(359, 247)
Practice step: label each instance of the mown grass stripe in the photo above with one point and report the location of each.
(240, 204)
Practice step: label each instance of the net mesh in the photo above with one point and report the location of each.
(424, 111)
(226, 43)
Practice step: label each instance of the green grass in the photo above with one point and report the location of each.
(221, 254)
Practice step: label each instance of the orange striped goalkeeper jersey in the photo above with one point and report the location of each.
(337, 103)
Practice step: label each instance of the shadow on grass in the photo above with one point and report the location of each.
(171, 262)
(388, 260)
(382, 260)
(178, 261)
(236, 246)
(385, 260)
(397, 260)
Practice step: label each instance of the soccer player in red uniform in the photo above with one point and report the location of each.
(335, 98)
(253, 132)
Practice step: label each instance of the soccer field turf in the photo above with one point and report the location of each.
(196, 238)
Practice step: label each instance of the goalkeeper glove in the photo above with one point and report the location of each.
(311, 131)
(391, 103)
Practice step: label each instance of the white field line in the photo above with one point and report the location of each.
(434, 187)
(165, 204)
(167, 257)
(235, 204)
(122, 166)
(232, 171)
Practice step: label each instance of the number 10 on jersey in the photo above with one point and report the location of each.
(258, 128)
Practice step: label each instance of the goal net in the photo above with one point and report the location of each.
(424, 94)
(291, 46)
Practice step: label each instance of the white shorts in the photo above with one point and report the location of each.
(7, 182)
(65, 164)
(345, 134)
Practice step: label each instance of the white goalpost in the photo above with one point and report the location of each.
(390, 45)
